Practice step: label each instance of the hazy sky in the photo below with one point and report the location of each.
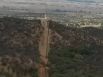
(4, 1)
(24, 3)
(52, 4)
(8, 2)
(97, 1)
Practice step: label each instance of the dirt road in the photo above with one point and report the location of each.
(43, 49)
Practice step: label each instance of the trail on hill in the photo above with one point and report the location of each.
(43, 49)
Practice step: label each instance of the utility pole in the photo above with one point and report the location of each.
(44, 48)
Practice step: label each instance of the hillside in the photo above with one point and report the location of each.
(85, 46)
(74, 52)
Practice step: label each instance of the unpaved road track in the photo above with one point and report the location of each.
(43, 49)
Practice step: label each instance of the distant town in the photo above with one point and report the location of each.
(71, 18)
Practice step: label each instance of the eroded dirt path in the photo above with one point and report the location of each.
(43, 49)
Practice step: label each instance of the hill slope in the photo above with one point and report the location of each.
(74, 52)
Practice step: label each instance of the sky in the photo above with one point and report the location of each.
(85, 1)
(51, 4)
(62, 0)
(9, 2)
